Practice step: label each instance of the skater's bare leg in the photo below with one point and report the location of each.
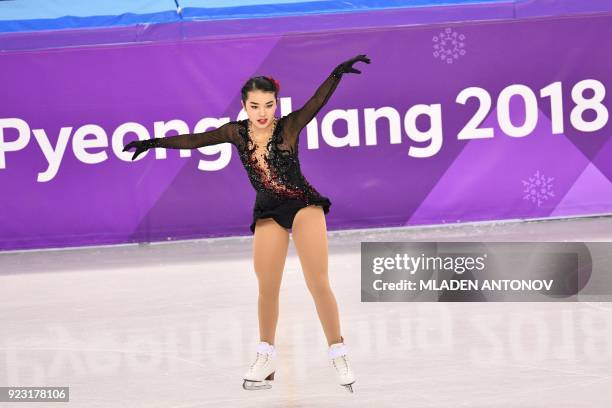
(270, 244)
(309, 233)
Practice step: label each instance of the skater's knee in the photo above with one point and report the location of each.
(269, 294)
(319, 289)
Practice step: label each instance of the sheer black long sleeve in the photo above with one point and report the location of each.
(298, 119)
(228, 133)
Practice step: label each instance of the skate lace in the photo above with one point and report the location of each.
(261, 360)
(342, 362)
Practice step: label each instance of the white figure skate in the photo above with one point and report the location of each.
(338, 355)
(261, 372)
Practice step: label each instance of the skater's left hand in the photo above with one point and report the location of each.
(347, 66)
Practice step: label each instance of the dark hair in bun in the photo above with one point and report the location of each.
(261, 83)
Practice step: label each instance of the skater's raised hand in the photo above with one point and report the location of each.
(347, 66)
(140, 145)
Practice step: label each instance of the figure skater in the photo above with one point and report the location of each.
(268, 149)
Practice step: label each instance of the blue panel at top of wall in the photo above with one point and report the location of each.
(35, 15)
(361, 4)
(48, 9)
(225, 9)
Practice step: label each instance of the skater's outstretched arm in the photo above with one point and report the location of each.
(298, 119)
(224, 134)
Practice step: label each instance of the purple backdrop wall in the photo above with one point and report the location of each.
(66, 114)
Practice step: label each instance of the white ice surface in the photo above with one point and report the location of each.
(175, 325)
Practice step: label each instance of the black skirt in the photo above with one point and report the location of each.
(283, 211)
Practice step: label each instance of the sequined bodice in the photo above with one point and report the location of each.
(274, 167)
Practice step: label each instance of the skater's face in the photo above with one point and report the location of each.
(260, 106)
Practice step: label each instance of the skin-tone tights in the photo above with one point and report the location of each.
(270, 244)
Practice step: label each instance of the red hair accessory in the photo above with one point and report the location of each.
(275, 82)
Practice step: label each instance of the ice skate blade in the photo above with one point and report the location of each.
(256, 385)
(349, 387)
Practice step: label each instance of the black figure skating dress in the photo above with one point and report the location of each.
(273, 169)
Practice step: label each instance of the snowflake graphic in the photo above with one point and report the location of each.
(449, 45)
(538, 188)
